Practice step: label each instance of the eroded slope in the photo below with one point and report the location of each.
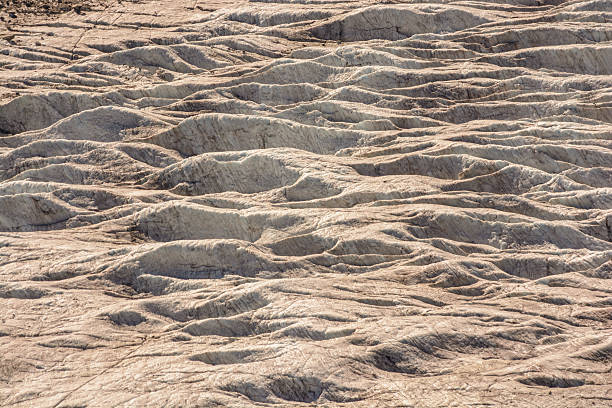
(299, 202)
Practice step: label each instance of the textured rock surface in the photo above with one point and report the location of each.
(307, 202)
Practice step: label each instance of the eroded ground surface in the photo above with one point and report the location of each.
(307, 202)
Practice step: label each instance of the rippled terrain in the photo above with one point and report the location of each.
(307, 202)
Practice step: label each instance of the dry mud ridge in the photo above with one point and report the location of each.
(307, 203)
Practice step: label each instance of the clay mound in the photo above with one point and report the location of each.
(305, 202)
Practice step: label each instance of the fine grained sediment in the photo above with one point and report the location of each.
(307, 202)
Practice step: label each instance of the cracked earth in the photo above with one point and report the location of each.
(306, 203)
